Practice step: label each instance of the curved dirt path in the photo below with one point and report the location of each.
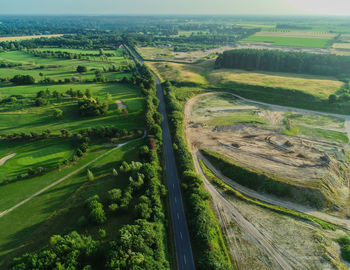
(5, 159)
(344, 223)
(60, 180)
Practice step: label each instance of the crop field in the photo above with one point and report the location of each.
(27, 37)
(293, 38)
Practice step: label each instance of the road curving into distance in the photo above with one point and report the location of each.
(183, 248)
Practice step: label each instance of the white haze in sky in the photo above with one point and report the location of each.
(269, 7)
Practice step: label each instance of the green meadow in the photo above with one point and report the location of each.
(291, 41)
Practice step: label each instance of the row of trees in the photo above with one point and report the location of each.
(280, 61)
(209, 249)
(68, 55)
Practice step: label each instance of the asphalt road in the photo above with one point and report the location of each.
(183, 248)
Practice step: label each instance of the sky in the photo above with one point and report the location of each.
(268, 7)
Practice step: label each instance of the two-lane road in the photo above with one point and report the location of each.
(183, 248)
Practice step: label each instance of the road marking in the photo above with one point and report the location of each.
(173, 186)
(175, 200)
(185, 259)
(178, 217)
(181, 235)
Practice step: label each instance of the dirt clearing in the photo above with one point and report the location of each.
(120, 105)
(302, 149)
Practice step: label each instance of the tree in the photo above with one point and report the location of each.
(332, 99)
(81, 69)
(115, 172)
(57, 114)
(88, 93)
(90, 176)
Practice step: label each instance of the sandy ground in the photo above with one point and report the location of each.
(5, 159)
(120, 104)
(260, 239)
(298, 159)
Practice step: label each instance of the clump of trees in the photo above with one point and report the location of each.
(280, 61)
(92, 107)
(96, 213)
(72, 251)
(23, 79)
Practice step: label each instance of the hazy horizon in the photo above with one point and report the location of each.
(185, 7)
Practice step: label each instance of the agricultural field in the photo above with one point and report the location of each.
(168, 54)
(293, 38)
(18, 38)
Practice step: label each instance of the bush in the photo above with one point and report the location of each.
(81, 69)
(23, 79)
(344, 242)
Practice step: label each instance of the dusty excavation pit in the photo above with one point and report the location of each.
(299, 148)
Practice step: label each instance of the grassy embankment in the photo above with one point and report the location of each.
(271, 184)
(281, 210)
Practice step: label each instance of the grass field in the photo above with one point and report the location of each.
(58, 69)
(31, 118)
(246, 117)
(34, 154)
(316, 85)
(179, 72)
(291, 41)
(58, 209)
(318, 133)
(293, 38)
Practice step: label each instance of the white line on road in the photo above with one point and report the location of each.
(175, 200)
(178, 217)
(181, 235)
(185, 259)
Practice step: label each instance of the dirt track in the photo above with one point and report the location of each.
(5, 159)
(228, 213)
(345, 223)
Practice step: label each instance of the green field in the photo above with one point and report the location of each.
(18, 118)
(58, 209)
(318, 133)
(235, 118)
(57, 68)
(291, 41)
(34, 154)
(22, 116)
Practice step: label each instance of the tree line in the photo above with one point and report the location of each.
(280, 61)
